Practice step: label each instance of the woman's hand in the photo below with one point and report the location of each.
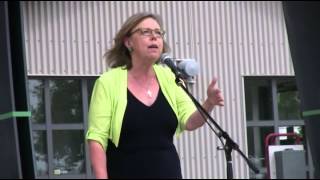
(215, 97)
(214, 94)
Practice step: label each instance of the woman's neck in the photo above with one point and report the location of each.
(142, 69)
(142, 65)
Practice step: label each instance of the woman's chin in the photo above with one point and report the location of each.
(154, 56)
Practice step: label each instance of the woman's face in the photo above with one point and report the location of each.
(146, 40)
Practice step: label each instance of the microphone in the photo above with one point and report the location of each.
(186, 67)
(166, 59)
(189, 67)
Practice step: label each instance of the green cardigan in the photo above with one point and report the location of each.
(109, 101)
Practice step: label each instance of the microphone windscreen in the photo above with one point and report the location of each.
(189, 66)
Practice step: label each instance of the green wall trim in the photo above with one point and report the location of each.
(15, 114)
(311, 113)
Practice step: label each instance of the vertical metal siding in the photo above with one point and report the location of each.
(229, 40)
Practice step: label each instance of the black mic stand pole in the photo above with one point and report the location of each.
(230, 144)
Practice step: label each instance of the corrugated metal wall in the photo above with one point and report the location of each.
(229, 40)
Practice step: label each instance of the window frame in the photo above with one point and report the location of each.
(48, 127)
(275, 122)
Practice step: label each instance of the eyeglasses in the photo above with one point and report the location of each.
(149, 32)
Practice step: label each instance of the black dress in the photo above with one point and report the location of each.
(146, 148)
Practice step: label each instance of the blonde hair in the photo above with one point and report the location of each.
(119, 55)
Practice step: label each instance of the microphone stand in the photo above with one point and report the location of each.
(230, 145)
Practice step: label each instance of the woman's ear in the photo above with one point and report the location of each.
(127, 42)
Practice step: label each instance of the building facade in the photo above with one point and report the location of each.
(242, 43)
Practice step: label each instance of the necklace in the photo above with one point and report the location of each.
(146, 88)
(149, 93)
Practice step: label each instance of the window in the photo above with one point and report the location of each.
(65, 101)
(59, 109)
(68, 152)
(41, 153)
(259, 98)
(36, 94)
(272, 106)
(288, 100)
